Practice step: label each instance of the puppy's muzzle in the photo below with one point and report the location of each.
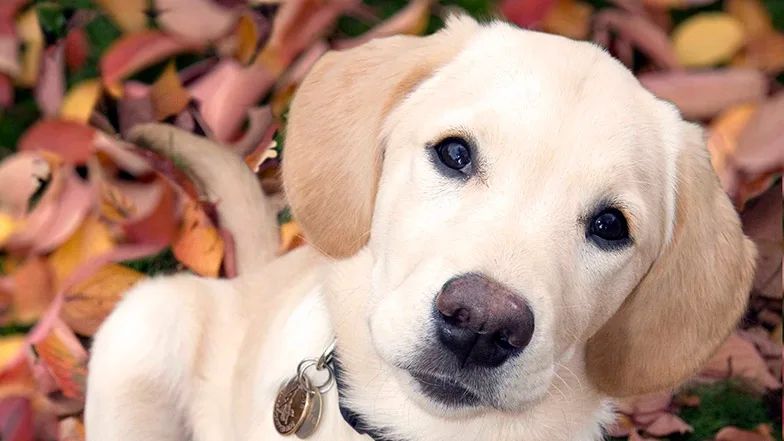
(482, 322)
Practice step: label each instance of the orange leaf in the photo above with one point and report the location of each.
(167, 94)
(138, 51)
(32, 292)
(79, 103)
(130, 15)
(89, 303)
(198, 245)
(753, 16)
(66, 359)
(765, 53)
(724, 132)
(30, 33)
(248, 39)
(570, 18)
(290, 237)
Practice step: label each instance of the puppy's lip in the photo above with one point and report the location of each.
(445, 390)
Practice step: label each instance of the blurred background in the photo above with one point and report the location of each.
(84, 215)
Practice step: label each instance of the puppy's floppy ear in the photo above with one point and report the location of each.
(333, 151)
(691, 298)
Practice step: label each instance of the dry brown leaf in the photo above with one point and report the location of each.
(570, 18)
(723, 134)
(765, 53)
(89, 303)
(198, 244)
(704, 94)
(247, 36)
(762, 223)
(708, 39)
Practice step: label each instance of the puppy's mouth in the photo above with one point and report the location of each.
(445, 390)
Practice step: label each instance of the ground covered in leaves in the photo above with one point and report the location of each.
(84, 214)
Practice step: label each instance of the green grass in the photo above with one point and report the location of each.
(161, 263)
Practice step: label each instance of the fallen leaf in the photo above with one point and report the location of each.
(77, 49)
(130, 15)
(198, 244)
(137, 51)
(411, 20)
(261, 128)
(708, 39)
(752, 15)
(667, 424)
(66, 359)
(735, 434)
(762, 223)
(167, 94)
(247, 40)
(195, 20)
(79, 103)
(71, 141)
(570, 18)
(158, 227)
(33, 291)
(50, 89)
(89, 303)
(525, 13)
(135, 107)
(6, 92)
(29, 30)
(291, 237)
(71, 429)
(639, 32)
(739, 358)
(765, 53)
(21, 176)
(16, 419)
(723, 134)
(93, 238)
(704, 94)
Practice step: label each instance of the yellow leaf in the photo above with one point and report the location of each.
(10, 347)
(65, 358)
(89, 303)
(130, 15)
(29, 30)
(752, 14)
(79, 103)
(93, 238)
(290, 236)
(7, 225)
(569, 18)
(708, 39)
(247, 38)
(198, 245)
(168, 95)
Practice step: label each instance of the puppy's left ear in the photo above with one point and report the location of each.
(693, 295)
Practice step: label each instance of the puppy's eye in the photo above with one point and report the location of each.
(609, 225)
(454, 153)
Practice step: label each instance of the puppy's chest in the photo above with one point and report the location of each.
(269, 361)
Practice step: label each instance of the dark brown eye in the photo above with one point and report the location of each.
(609, 225)
(454, 153)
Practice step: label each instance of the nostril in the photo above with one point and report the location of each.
(501, 339)
(460, 318)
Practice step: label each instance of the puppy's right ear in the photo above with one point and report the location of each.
(333, 151)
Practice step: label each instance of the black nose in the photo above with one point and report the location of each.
(482, 321)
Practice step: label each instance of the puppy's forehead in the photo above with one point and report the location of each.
(532, 86)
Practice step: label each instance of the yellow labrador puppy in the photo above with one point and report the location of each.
(506, 232)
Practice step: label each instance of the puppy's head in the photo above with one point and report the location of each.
(524, 200)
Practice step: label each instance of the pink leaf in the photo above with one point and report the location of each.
(73, 142)
(526, 13)
(196, 20)
(50, 89)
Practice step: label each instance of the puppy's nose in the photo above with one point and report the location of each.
(482, 321)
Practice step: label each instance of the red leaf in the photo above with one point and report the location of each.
(73, 142)
(137, 51)
(77, 49)
(16, 420)
(6, 92)
(526, 13)
(159, 227)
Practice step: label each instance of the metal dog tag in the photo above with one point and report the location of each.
(292, 407)
(313, 417)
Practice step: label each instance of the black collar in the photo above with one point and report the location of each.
(352, 418)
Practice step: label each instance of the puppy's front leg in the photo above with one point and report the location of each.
(142, 362)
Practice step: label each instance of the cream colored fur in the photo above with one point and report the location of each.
(559, 125)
